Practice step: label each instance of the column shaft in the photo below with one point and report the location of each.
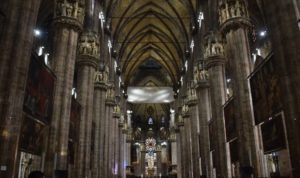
(215, 63)
(204, 117)
(15, 46)
(238, 53)
(99, 107)
(178, 154)
(195, 141)
(183, 151)
(64, 54)
(87, 60)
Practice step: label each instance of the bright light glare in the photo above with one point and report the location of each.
(263, 33)
(37, 32)
(40, 51)
(46, 58)
(150, 94)
(164, 143)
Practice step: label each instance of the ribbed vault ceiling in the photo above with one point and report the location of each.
(151, 30)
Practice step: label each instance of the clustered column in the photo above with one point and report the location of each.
(87, 60)
(215, 61)
(235, 23)
(109, 132)
(202, 89)
(187, 157)
(183, 142)
(99, 118)
(195, 154)
(117, 144)
(15, 46)
(67, 25)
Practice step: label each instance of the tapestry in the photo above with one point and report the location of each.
(230, 122)
(38, 99)
(32, 136)
(273, 134)
(73, 129)
(265, 91)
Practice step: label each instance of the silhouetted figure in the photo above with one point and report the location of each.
(36, 174)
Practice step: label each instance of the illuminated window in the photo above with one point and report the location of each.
(150, 121)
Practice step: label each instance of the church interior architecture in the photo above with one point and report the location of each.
(150, 88)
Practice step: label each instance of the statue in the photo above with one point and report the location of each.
(185, 109)
(69, 9)
(238, 9)
(232, 11)
(80, 14)
(84, 47)
(98, 77)
(203, 75)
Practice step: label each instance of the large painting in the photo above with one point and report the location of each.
(39, 91)
(265, 91)
(273, 134)
(230, 122)
(73, 130)
(33, 135)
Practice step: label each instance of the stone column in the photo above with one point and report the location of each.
(215, 61)
(67, 25)
(87, 60)
(109, 131)
(195, 154)
(142, 159)
(158, 159)
(174, 153)
(180, 124)
(202, 88)
(285, 37)
(235, 27)
(179, 153)
(116, 145)
(188, 143)
(15, 46)
(99, 117)
(122, 151)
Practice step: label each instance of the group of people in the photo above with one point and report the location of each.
(36, 174)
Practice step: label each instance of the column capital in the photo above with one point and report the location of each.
(201, 78)
(233, 14)
(100, 80)
(117, 112)
(70, 13)
(121, 122)
(180, 122)
(185, 111)
(88, 49)
(202, 84)
(191, 96)
(214, 49)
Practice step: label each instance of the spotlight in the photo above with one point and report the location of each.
(37, 32)
(263, 33)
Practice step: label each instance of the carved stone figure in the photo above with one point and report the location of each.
(203, 75)
(69, 9)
